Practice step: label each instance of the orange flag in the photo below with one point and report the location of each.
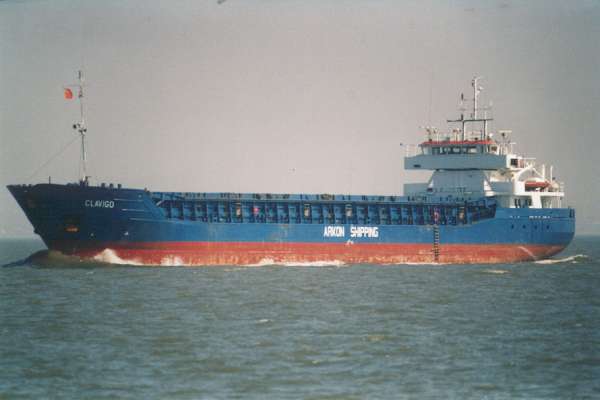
(68, 94)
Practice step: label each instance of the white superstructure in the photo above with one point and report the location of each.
(469, 162)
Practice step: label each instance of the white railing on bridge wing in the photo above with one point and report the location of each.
(411, 150)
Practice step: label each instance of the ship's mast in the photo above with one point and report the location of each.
(476, 90)
(474, 117)
(81, 128)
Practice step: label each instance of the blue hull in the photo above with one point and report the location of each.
(207, 228)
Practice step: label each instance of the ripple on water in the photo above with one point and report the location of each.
(285, 332)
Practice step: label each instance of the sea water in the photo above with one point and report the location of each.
(74, 329)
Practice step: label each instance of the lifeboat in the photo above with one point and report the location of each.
(535, 185)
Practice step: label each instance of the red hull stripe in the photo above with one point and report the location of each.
(243, 253)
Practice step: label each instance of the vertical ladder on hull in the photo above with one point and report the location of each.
(436, 243)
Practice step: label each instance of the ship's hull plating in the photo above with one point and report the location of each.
(124, 225)
(261, 253)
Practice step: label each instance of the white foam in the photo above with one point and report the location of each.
(334, 263)
(421, 263)
(330, 263)
(269, 262)
(110, 257)
(571, 259)
(172, 261)
(496, 271)
(262, 263)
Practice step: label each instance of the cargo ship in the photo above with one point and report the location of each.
(483, 203)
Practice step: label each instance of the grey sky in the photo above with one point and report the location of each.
(290, 95)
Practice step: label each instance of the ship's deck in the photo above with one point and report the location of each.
(325, 197)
